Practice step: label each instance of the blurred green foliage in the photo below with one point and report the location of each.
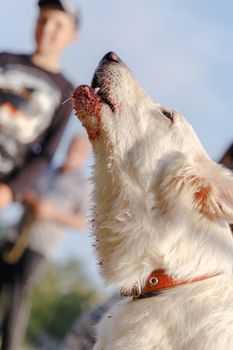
(63, 294)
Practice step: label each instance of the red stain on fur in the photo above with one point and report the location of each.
(202, 197)
(88, 106)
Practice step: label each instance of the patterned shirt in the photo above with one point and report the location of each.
(33, 116)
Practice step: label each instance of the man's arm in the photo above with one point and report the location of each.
(46, 210)
(6, 195)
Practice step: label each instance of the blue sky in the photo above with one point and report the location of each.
(180, 51)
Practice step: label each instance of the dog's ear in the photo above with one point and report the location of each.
(200, 184)
(213, 192)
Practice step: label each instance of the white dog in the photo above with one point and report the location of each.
(162, 209)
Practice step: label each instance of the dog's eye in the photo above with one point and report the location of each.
(167, 114)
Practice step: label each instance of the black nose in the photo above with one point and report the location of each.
(112, 57)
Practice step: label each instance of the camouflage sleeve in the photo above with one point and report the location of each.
(82, 334)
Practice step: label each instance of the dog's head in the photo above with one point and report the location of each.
(119, 115)
(115, 108)
(163, 169)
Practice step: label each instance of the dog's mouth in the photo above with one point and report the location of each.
(88, 102)
(102, 91)
(106, 96)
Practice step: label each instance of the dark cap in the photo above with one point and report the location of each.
(67, 6)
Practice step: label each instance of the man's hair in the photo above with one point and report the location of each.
(67, 6)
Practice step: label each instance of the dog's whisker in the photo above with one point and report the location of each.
(67, 100)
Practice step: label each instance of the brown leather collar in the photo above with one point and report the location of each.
(157, 282)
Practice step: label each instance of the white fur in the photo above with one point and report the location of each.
(160, 202)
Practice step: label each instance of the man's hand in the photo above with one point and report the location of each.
(44, 209)
(41, 208)
(6, 195)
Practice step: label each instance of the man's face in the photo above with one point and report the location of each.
(55, 29)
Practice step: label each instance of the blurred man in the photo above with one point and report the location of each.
(59, 200)
(33, 117)
(33, 89)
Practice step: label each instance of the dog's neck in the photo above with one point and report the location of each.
(134, 239)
